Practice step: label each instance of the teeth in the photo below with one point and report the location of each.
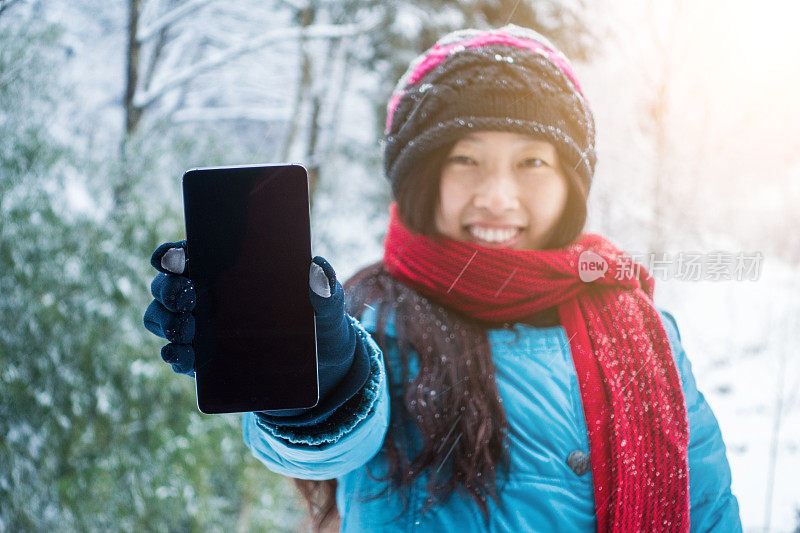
(493, 235)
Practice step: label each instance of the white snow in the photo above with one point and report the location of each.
(731, 160)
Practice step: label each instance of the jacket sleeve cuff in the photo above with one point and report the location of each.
(345, 418)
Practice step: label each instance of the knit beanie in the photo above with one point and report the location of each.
(507, 79)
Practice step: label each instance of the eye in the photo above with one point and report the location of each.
(462, 159)
(534, 162)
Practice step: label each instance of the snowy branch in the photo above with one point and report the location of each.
(230, 113)
(5, 4)
(313, 32)
(295, 4)
(147, 32)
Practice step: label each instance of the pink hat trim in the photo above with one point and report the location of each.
(438, 53)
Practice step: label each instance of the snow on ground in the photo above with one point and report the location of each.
(741, 339)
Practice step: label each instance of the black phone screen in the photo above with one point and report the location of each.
(248, 240)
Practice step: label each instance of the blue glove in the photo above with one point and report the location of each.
(169, 315)
(343, 362)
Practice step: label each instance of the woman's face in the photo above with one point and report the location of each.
(501, 190)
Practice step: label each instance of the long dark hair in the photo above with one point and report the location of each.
(453, 401)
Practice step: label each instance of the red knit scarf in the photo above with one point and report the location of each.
(630, 388)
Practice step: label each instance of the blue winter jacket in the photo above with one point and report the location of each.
(537, 381)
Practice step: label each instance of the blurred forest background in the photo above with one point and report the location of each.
(105, 103)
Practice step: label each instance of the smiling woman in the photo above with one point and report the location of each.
(505, 393)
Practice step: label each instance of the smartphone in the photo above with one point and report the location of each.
(248, 248)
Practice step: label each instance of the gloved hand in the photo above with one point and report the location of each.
(343, 367)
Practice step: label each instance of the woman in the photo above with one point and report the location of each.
(520, 377)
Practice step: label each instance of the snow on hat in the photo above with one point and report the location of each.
(507, 79)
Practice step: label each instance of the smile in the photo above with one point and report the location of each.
(495, 236)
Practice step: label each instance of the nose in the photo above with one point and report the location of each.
(498, 192)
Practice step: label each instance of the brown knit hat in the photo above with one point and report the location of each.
(507, 79)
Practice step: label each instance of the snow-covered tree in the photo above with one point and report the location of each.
(98, 433)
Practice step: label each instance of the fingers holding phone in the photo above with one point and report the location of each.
(169, 315)
(341, 374)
